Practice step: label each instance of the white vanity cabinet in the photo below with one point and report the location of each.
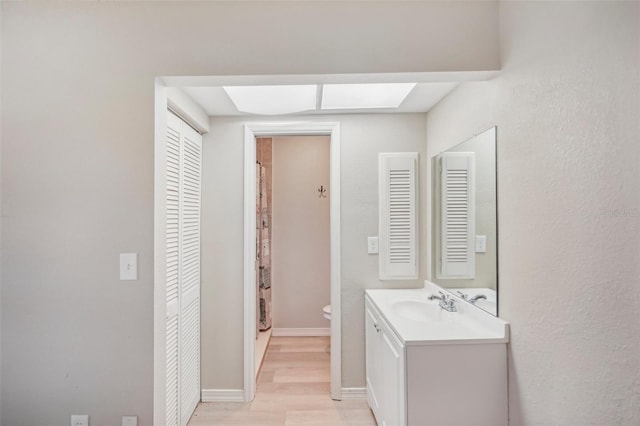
(435, 368)
(385, 372)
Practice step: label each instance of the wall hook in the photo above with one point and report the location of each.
(322, 192)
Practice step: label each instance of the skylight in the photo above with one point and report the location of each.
(363, 96)
(273, 100)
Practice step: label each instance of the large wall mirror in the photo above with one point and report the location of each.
(465, 227)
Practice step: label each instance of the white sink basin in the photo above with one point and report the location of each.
(416, 310)
(416, 320)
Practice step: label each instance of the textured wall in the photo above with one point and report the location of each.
(362, 138)
(567, 107)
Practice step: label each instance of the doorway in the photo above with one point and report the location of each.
(253, 131)
(293, 244)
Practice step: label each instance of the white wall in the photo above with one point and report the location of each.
(362, 138)
(77, 164)
(567, 107)
(301, 231)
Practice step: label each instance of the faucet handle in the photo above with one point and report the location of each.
(450, 305)
(435, 296)
(462, 295)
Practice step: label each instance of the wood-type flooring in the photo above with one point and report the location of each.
(293, 389)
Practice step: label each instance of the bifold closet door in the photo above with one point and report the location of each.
(184, 153)
(174, 134)
(190, 273)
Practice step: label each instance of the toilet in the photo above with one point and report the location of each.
(326, 312)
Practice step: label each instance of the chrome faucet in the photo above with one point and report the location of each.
(473, 299)
(477, 297)
(446, 302)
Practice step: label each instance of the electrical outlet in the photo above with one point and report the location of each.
(129, 420)
(79, 420)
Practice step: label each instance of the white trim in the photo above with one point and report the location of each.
(222, 395)
(249, 264)
(278, 129)
(336, 274)
(184, 107)
(354, 393)
(262, 344)
(160, 257)
(301, 332)
(275, 79)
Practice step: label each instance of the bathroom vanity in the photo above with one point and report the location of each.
(426, 366)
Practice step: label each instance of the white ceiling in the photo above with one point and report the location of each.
(215, 101)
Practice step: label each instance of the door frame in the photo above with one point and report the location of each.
(251, 132)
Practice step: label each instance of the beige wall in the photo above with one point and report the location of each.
(77, 164)
(301, 230)
(77, 185)
(567, 107)
(362, 138)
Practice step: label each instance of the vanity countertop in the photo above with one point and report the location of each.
(416, 320)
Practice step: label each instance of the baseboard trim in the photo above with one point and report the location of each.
(222, 395)
(354, 393)
(300, 332)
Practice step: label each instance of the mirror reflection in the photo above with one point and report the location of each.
(465, 259)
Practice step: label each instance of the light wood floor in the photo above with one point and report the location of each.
(293, 390)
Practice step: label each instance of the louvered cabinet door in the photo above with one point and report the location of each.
(457, 215)
(174, 135)
(398, 221)
(190, 273)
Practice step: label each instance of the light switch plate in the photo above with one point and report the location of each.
(481, 243)
(129, 420)
(79, 420)
(372, 245)
(128, 266)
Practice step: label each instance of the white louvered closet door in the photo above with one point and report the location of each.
(398, 202)
(184, 153)
(174, 135)
(190, 274)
